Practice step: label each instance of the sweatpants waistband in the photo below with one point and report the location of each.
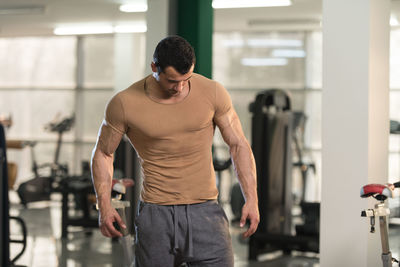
(207, 202)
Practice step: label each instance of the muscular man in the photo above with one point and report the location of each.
(170, 117)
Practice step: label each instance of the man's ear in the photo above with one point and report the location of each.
(153, 67)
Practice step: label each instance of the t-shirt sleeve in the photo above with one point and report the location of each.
(223, 102)
(115, 116)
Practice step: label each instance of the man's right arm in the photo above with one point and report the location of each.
(102, 172)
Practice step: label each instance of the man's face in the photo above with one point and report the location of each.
(171, 81)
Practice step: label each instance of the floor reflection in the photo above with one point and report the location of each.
(87, 247)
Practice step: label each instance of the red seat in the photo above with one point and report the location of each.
(376, 191)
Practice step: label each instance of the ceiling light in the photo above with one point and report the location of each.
(249, 3)
(22, 10)
(130, 28)
(274, 43)
(134, 7)
(78, 30)
(233, 43)
(288, 53)
(256, 62)
(100, 29)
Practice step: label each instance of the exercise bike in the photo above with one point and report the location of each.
(381, 193)
(41, 186)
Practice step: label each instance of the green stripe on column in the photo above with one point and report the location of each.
(195, 24)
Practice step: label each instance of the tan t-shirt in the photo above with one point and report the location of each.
(173, 141)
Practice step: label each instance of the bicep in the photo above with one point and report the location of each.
(108, 139)
(230, 128)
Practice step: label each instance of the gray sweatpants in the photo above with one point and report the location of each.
(168, 235)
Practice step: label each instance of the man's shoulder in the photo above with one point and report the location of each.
(135, 88)
(201, 78)
(206, 84)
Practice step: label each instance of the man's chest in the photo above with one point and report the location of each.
(166, 121)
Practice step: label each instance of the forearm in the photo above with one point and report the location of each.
(102, 171)
(245, 169)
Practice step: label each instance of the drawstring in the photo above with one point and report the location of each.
(190, 236)
(175, 249)
(189, 249)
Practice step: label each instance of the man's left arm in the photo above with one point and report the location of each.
(244, 164)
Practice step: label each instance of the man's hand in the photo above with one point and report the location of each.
(250, 212)
(106, 219)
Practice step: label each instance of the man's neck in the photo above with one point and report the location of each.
(157, 94)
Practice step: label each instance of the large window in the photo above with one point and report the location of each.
(257, 60)
(98, 62)
(36, 63)
(42, 78)
(249, 62)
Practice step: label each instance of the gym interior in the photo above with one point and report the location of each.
(316, 85)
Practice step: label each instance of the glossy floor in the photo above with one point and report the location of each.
(45, 248)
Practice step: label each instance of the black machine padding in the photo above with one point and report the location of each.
(4, 204)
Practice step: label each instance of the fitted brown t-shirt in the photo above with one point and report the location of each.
(173, 141)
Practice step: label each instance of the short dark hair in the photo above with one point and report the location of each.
(176, 52)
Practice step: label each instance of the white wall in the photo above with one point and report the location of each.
(355, 115)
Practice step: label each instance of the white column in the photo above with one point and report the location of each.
(355, 126)
(76, 167)
(161, 22)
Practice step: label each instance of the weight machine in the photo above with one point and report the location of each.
(272, 135)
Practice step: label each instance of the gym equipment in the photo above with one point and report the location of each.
(59, 127)
(12, 167)
(118, 191)
(310, 210)
(394, 127)
(4, 204)
(237, 202)
(80, 187)
(126, 164)
(395, 130)
(40, 187)
(21, 241)
(272, 135)
(381, 193)
(4, 213)
(220, 165)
